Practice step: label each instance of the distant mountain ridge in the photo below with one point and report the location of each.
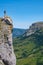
(33, 28)
(26, 32)
(17, 32)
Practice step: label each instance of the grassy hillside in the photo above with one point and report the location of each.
(29, 47)
(29, 50)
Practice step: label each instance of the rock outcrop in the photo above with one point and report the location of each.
(7, 56)
(33, 28)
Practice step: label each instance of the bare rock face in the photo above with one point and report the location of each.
(7, 56)
(33, 28)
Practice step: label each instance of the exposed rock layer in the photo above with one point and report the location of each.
(33, 28)
(7, 56)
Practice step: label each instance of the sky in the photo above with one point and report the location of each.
(22, 12)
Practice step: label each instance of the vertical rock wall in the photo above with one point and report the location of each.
(7, 56)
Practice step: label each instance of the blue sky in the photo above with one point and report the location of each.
(22, 12)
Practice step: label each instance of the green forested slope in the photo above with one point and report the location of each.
(29, 49)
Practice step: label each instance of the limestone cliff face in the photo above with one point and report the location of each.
(33, 28)
(7, 56)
